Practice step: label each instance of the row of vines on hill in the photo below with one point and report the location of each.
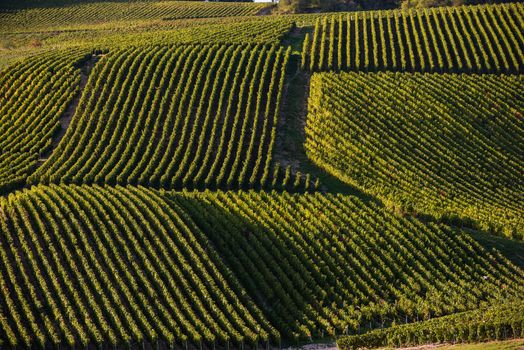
(445, 145)
(120, 266)
(33, 95)
(196, 116)
(500, 321)
(90, 266)
(444, 39)
(228, 30)
(323, 265)
(102, 12)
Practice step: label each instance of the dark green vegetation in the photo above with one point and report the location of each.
(446, 145)
(114, 247)
(501, 321)
(463, 39)
(121, 265)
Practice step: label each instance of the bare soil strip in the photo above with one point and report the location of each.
(65, 119)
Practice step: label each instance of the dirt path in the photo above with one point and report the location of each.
(65, 119)
(315, 346)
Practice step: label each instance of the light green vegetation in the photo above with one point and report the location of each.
(27, 32)
(34, 95)
(270, 30)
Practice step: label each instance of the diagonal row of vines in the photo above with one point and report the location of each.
(445, 145)
(121, 266)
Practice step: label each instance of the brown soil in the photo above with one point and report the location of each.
(65, 119)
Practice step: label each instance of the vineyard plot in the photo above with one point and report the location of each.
(34, 95)
(99, 13)
(196, 116)
(446, 145)
(125, 265)
(478, 39)
(324, 264)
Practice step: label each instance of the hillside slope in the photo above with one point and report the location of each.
(440, 144)
(447, 39)
(106, 265)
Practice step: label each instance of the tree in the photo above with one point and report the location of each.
(294, 6)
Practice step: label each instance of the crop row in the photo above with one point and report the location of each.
(463, 39)
(102, 12)
(445, 145)
(322, 264)
(500, 321)
(89, 265)
(196, 116)
(34, 94)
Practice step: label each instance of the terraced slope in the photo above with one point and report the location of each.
(94, 13)
(113, 265)
(196, 116)
(447, 39)
(34, 94)
(438, 144)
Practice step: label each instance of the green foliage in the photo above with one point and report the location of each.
(497, 322)
(195, 116)
(113, 35)
(114, 266)
(100, 12)
(445, 145)
(463, 39)
(35, 93)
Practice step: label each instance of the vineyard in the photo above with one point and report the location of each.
(466, 39)
(206, 119)
(500, 321)
(440, 144)
(227, 30)
(114, 265)
(198, 175)
(102, 12)
(33, 96)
